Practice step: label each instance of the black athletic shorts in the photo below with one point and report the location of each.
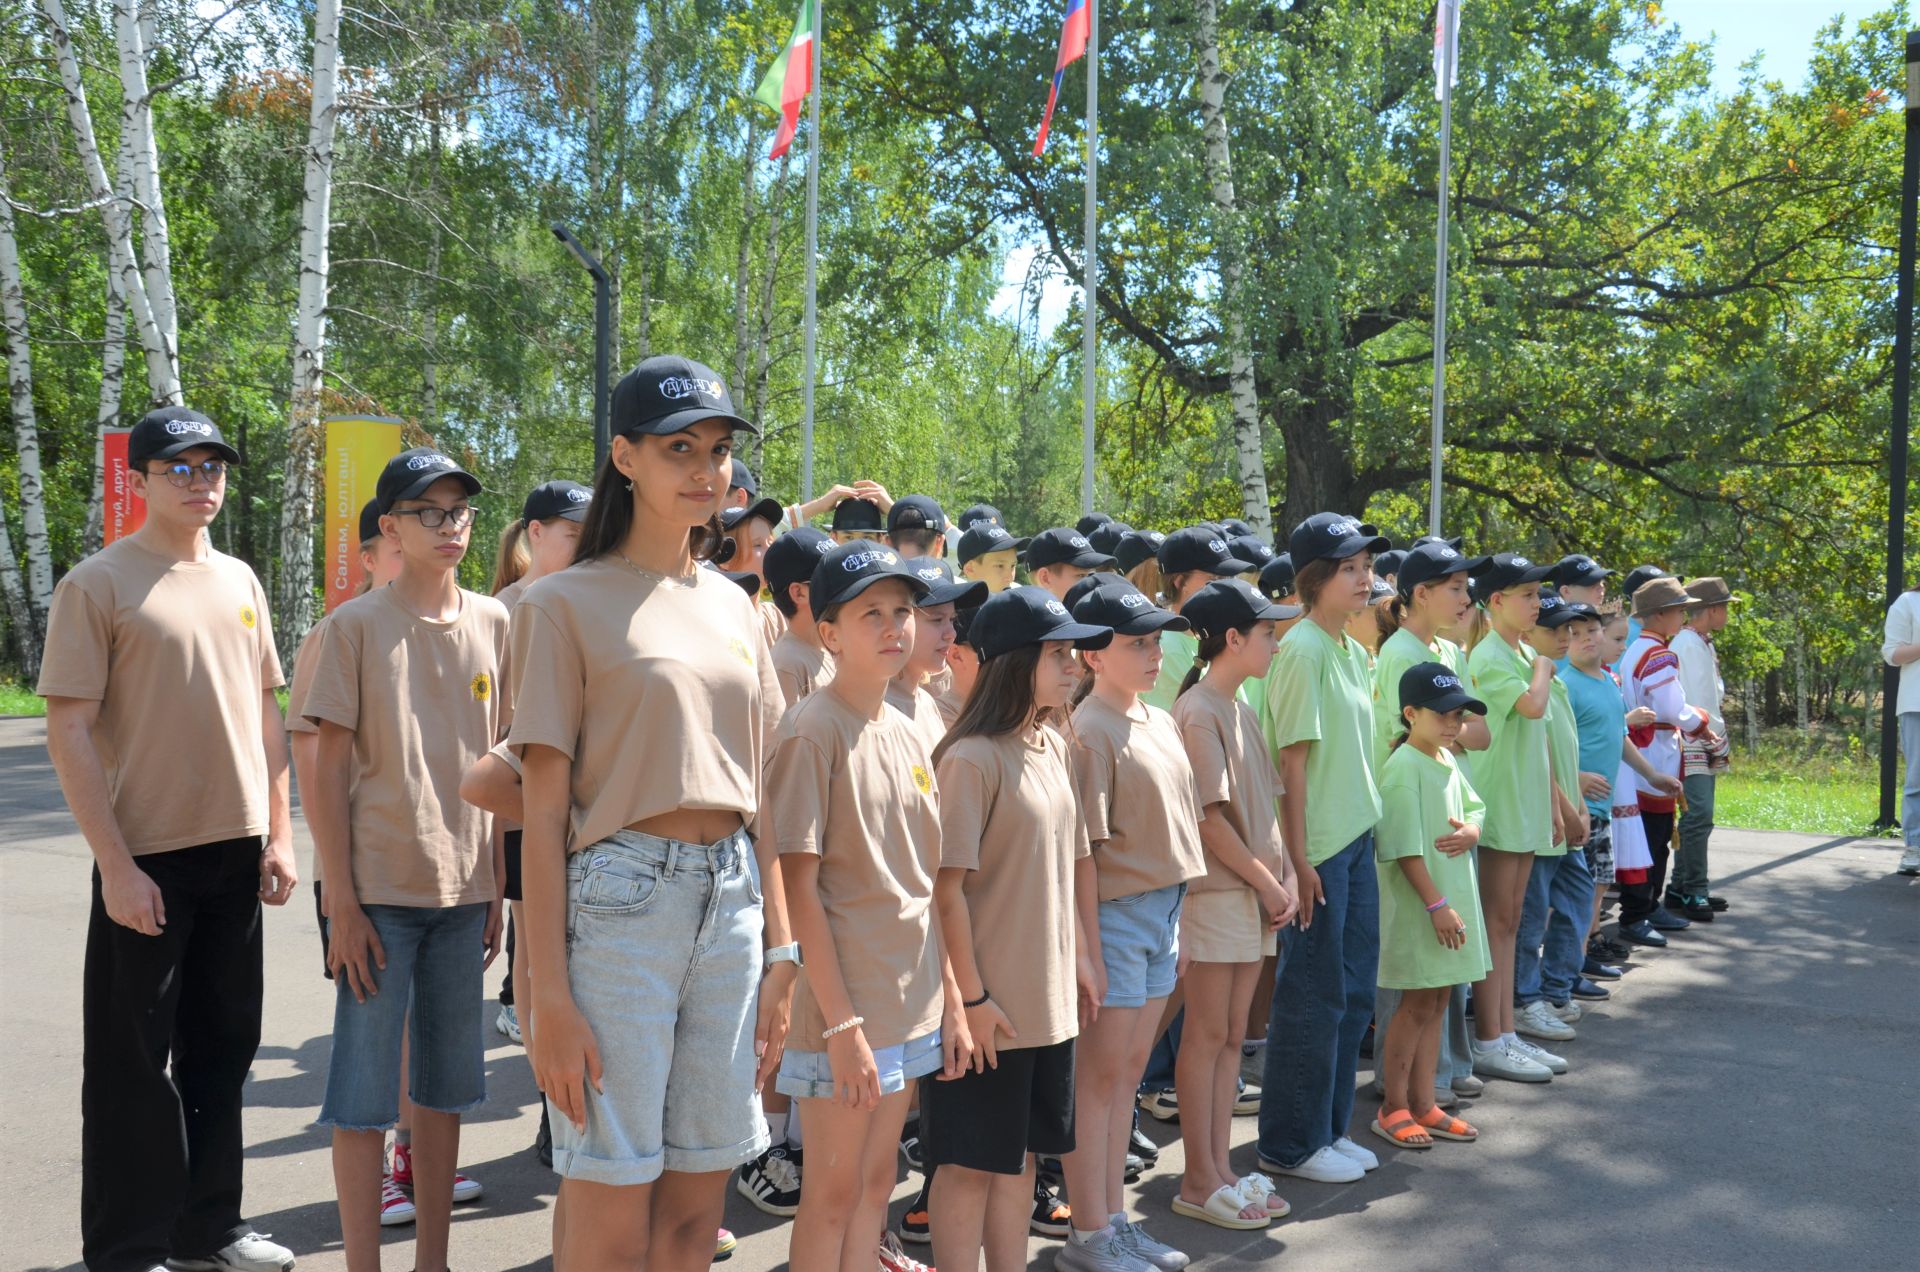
(990, 1121)
(512, 841)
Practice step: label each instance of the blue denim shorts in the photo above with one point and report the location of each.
(664, 958)
(807, 1075)
(429, 990)
(1139, 945)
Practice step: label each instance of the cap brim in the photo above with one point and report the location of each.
(1559, 618)
(171, 449)
(1281, 613)
(1083, 635)
(576, 513)
(1157, 621)
(1454, 701)
(768, 510)
(748, 581)
(1375, 544)
(424, 482)
(1538, 574)
(1230, 567)
(681, 421)
(914, 582)
(1091, 560)
(960, 592)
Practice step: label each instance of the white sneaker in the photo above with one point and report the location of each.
(251, 1253)
(1539, 1055)
(1141, 1245)
(1503, 1062)
(508, 1023)
(1568, 1012)
(1328, 1166)
(1537, 1020)
(1910, 862)
(1347, 1148)
(1103, 1253)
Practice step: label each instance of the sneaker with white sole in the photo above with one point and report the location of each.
(1567, 1013)
(1503, 1062)
(395, 1206)
(771, 1182)
(894, 1257)
(1347, 1148)
(1910, 862)
(1100, 1253)
(1327, 1166)
(1246, 1101)
(464, 1189)
(1538, 1054)
(1537, 1020)
(252, 1252)
(508, 1023)
(1161, 1106)
(1141, 1244)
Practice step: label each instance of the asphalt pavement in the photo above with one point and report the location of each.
(1741, 1103)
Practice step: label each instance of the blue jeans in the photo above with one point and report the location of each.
(1552, 944)
(1322, 1001)
(1910, 802)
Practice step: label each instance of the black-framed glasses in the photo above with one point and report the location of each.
(434, 518)
(213, 471)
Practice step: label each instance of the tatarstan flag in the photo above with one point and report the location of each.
(789, 79)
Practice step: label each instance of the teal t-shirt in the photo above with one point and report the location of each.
(1600, 715)
(1563, 741)
(1321, 691)
(1418, 793)
(1512, 774)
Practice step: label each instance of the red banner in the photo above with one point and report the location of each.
(125, 511)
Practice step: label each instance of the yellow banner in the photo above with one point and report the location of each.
(358, 447)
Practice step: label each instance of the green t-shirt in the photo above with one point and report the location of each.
(1401, 651)
(1418, 794)
(1177, 653)
(1320, 691)
(1511, 775)
(1563, 740)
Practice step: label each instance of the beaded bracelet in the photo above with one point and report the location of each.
(978, 1001)
(853, 1023)
(1436, 905)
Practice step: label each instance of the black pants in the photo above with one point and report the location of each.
(1638, 900)
(160, 1144)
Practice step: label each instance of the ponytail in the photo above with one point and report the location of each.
(512, 562)
(1085, 687)
(1211, 647)
(1390, 615)
(610, 517)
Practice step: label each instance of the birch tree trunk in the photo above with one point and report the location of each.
(763, 330)
(136, 130)
(14, 596)
(26, 429)
(163, 372)
(1249, 456)
(113, 375)
(293, 595)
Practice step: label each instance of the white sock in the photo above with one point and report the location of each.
(1080, 1238)
(1496, 1045)
(1508, 1039)
(793, 1128)
(777, 1127)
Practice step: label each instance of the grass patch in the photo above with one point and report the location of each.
(1814, 784)
(18, 700)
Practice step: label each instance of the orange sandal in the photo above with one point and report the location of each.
(1399, 1128)
(1443, 1124)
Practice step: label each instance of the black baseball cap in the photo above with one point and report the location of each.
(963, 625)
(164, 433)
(1127, 610)
(916, 512)
(1099, 578)
(852, 568)
(1503, 570)
(1329, 536)
(1434, 559)
(408, 474)
(858, 514)
(1276, 580)
(742, 479)
(1061, 546)
(1226, 604)
(1378, 590)
(1236, 526)
(1641, 575)
(1250, 547)
(978, 512)
(1579, 570)
(746, 580)
(1135, 548)
(567, 500)
(1106, 536)
(986, 536)
(1199, 548)
(768, 510)
(791, 557)
(1434, 686)
(1555, 612)
(1092, 521)
(668, 394)
(1455, 543)
(1023, 616)
(1389, 562)
(370, 520)
(942, 587)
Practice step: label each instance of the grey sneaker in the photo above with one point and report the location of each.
(1537, 1020)
(1102, 1254)
(1468, 1085)
(1538, 1054)
(1568, 1013)
(1910, 862)
(1504, 1062)
(1137, 1242)
(251, 1253)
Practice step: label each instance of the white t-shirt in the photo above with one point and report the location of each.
(1700, 681)
(1903, 628)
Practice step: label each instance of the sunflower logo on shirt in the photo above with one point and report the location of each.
(740, 649)
(923, 779)
(248, 618)
(482, 687)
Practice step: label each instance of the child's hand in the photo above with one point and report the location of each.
(1448, 927)
(986, 1022)
(1640, 717)
(354, 950)
(1577, 832)
(1309, 894)
(1595, 786)
(772, 1019)
(856, 1078)
(565, 1057)
(1279, 905)
(1667, 784)
(1559, 826)
(490, 937)
(1465, 835)
(1092, 981)
(956, 1043)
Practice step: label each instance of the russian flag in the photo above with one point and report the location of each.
(1073, 46)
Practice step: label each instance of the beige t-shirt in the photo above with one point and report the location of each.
(949, 704)
(773, 624)
(921, 710)
(858, 794)
(1009, 816)
(510, 595)
(425, 701)
(179, 655)
(656, 688)
(800, 667)
(305, 659)
(1137, 794)
(1231, 767)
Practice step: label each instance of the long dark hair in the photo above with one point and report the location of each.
(610, 517)
(1001, 700)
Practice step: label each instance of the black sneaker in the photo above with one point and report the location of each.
(1643, 933)
(1697, 909)
(915, 1226)
(910, 1144)
(1134, 1168)
(1665, 920)
(771, 1182)
(1608, 950)
(1719, 904)
(1049, 1171)
(1052, 1217)
(1143, 1148)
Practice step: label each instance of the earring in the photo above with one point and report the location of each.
(629, 487)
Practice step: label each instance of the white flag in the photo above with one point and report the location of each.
(1446, 47)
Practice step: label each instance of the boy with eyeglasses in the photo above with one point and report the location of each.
(409, 691)
(162, 726)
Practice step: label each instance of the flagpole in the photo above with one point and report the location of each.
(1440, 279)
(1090, 385)
(813, 250)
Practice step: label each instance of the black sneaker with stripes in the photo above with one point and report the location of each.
(771, 1181)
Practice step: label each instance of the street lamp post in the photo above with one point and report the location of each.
(1897, 475)
(602, 336)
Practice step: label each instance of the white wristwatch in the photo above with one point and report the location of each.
(785, 954)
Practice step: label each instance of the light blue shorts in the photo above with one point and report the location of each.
(664, 958)
(1139, 943)
(806, 1075)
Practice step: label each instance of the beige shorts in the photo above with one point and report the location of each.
(1225, 927)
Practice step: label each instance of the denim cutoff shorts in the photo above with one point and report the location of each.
(807, 1075)
(1139, 945)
